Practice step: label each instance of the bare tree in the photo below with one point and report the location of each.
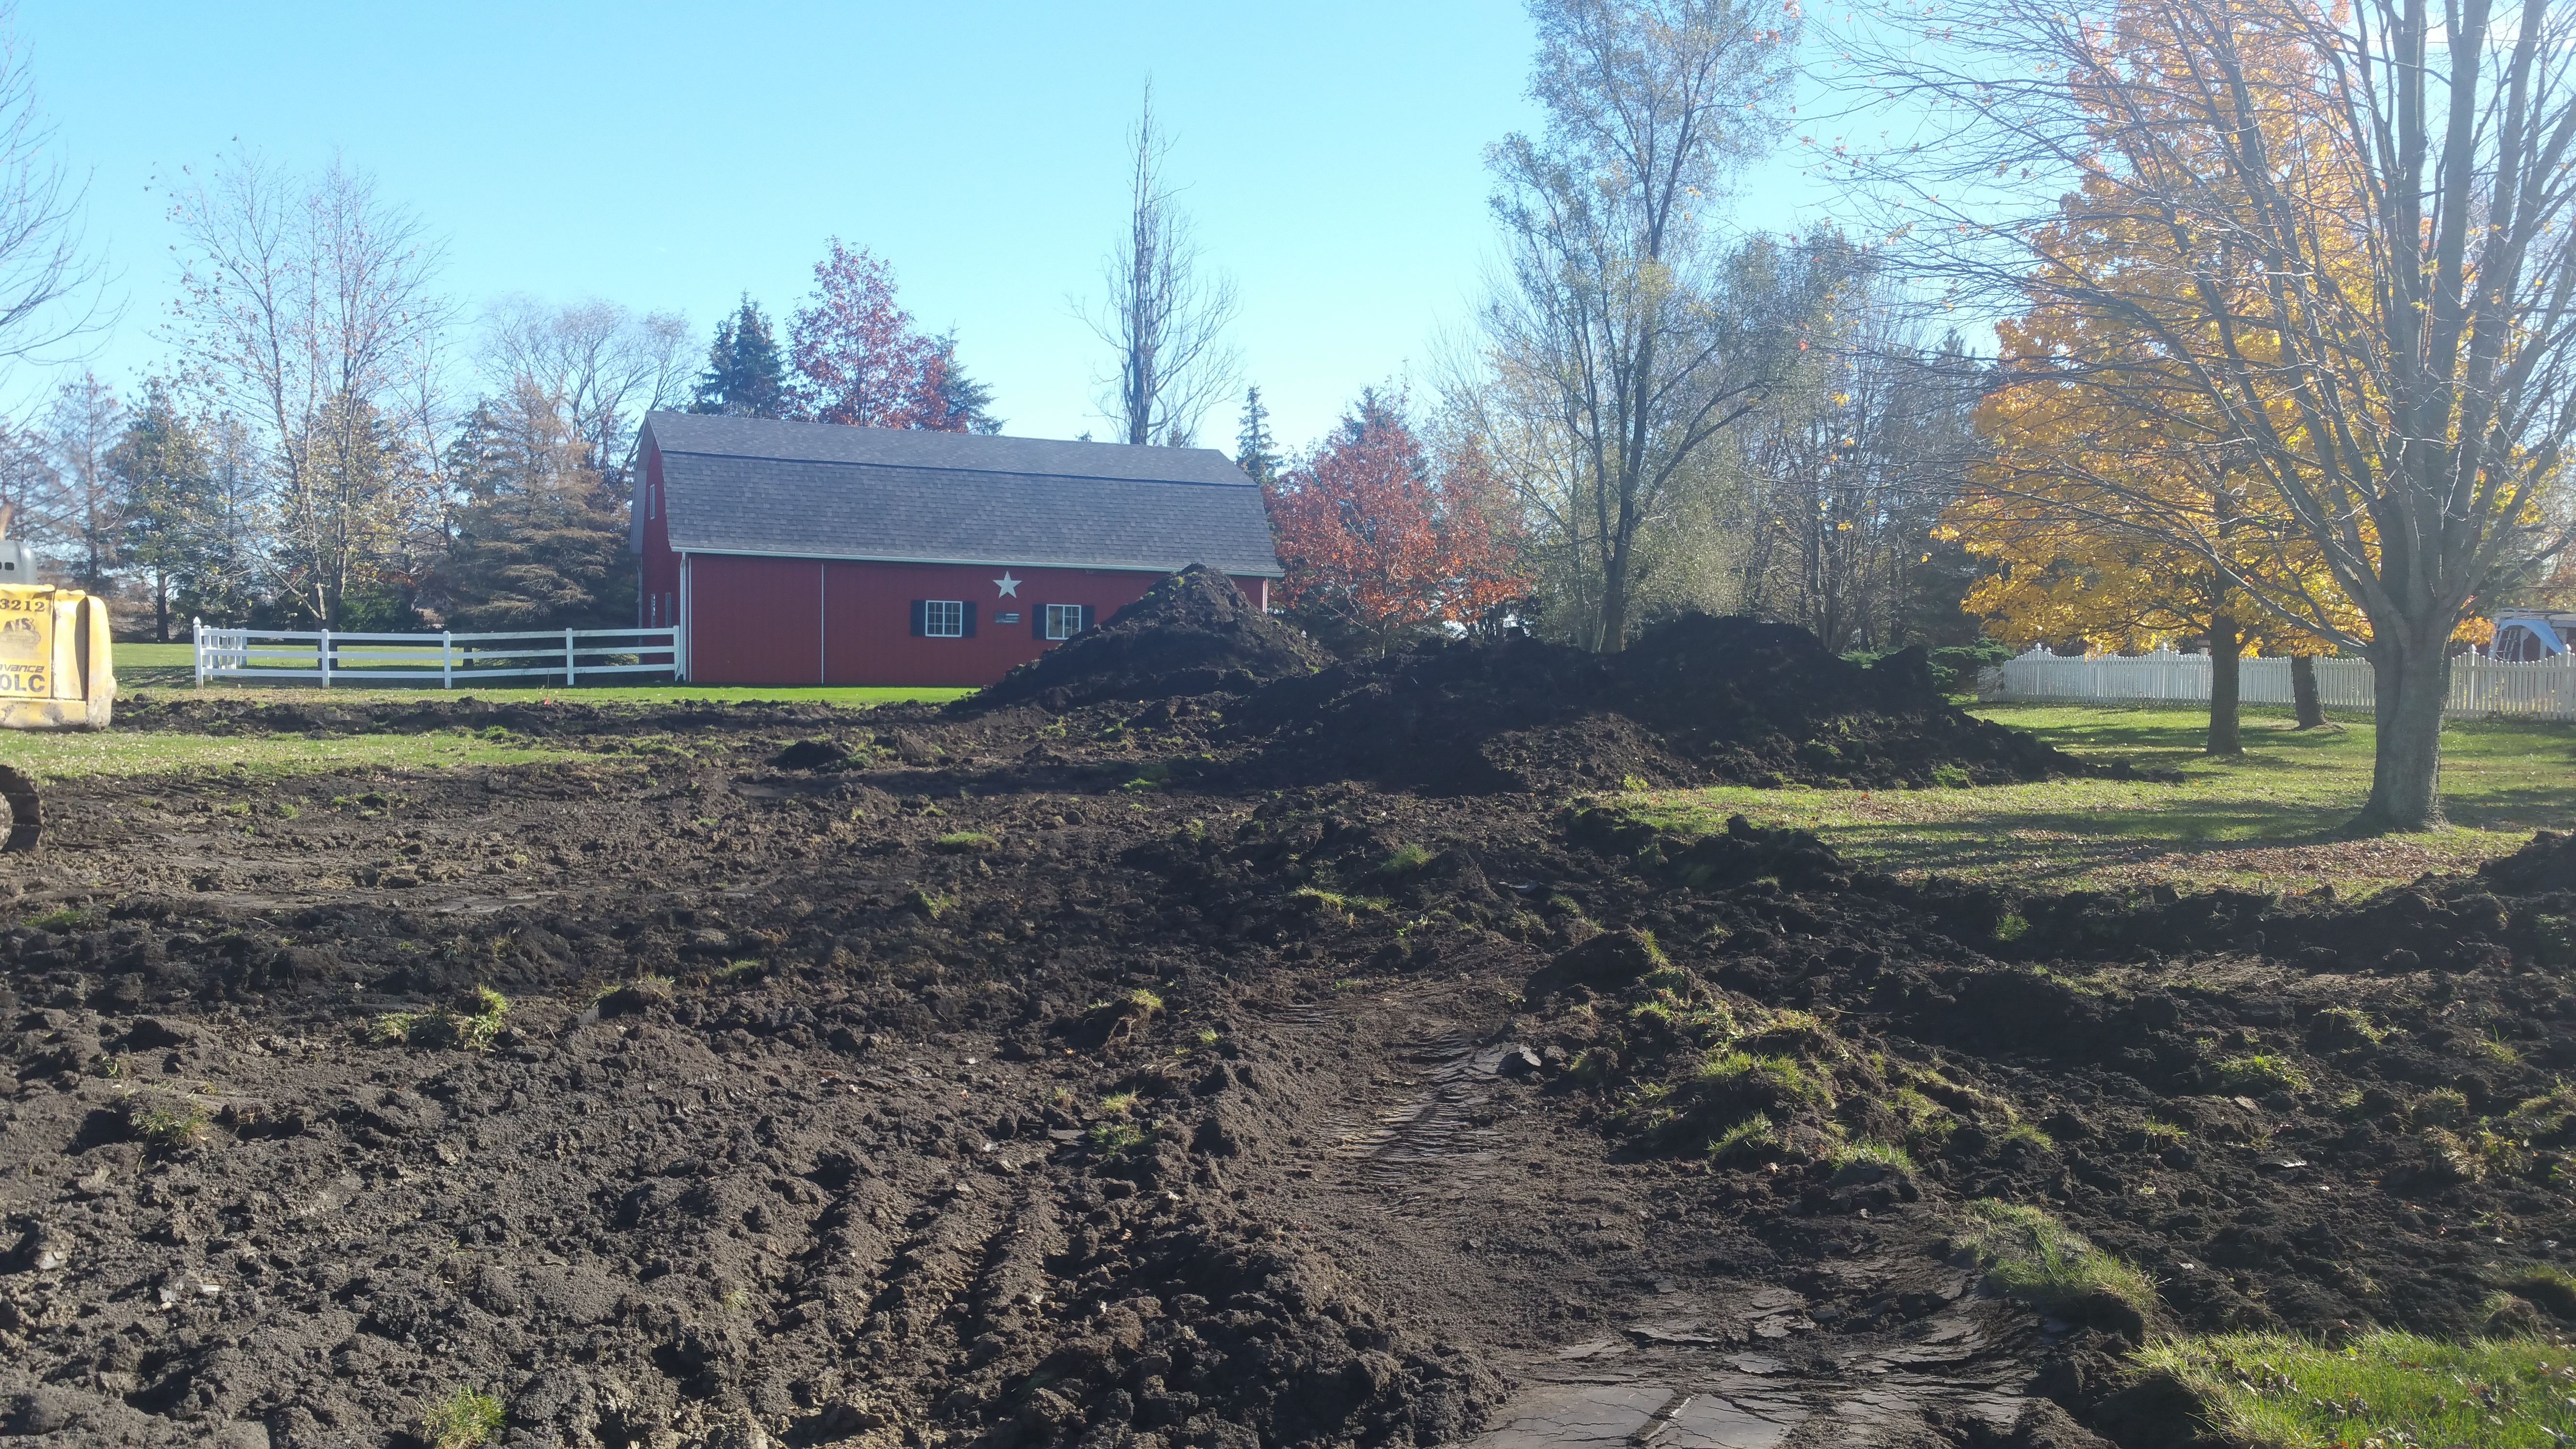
(1631, 336)
(1164, 317)
(2333, 245)
(308, 313)
(83, 508)
(43, 270)
(605, 366)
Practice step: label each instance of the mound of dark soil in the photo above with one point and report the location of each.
(1700, 700)
(1192, 633)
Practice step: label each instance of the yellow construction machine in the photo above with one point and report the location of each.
(56, 670)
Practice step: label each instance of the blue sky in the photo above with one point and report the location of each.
(670, 157)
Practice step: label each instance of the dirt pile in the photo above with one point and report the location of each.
(1699, 700)
(1192, 633)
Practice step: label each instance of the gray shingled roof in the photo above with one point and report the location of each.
(819, 490)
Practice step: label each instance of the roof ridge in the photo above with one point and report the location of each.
(1245, 482)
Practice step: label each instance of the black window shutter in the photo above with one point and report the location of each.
(1082, 621)
(1037, 622)
(970, 619)
(919, 627)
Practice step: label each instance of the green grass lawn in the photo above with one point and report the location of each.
(173, 666)
(2269, 818)
(64, 756)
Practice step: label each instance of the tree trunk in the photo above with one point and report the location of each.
(2411, 686)
(1614, 604)
(2303, 691)
(161, 609)
(2226, 673)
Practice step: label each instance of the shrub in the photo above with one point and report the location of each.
(2032, 1256)
(462, 1420)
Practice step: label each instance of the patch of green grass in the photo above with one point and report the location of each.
(462, 1420)
(2261, 1072)
(1120, 1103)
(2030, 1255)
(251, 758)
(1865, 1153)
(1405, 861)
(2271, 817)
(2381, 1389)
(1750, 1136)
(469, 1025)
(963, 842)
(1144, 1000)
(930, 904)
(165, 1122)
(1111, 1138)
(60, 922)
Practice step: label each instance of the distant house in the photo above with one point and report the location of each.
(809, 553)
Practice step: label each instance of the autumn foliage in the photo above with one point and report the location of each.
(1381, 540)
(859, 359)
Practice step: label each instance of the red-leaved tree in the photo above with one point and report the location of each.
(1381, 541)
(859, 359)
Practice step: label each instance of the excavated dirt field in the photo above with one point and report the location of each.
(1025, 1079)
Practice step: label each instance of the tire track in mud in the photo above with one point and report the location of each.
(1699, 1363)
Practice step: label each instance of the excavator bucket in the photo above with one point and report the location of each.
(57, 672)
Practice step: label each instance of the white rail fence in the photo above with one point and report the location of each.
(2545, 689)
(446, 659)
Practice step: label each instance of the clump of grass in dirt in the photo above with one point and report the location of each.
(930, 904)
(2261, 1072)
(1111, 1138)
(2343, 1026)
(1851, 1158)
(2030, 1255)
(2380, 1390)
(468, 1025)
(966, 842)
(462, 1420)
(61, 922)
(168, 1123)
(2546, 1284)
(1405, 861)
(2440, 1107)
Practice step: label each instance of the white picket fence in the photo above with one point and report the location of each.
(2479, 686)
(361, 659)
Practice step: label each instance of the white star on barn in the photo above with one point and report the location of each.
(1009, 586)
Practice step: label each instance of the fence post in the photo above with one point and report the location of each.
(322, 650)
(197, 647)
(446, 659)
(567, 659)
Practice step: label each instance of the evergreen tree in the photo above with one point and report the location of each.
(172, 516)
(968, 403)
(1256, 452)
(540, 542)
(746, 375)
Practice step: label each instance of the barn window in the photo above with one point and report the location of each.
(940, 619)
(1063, 621)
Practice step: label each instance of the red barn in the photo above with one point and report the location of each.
(810, 553)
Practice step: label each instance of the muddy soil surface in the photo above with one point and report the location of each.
(1022, 1081)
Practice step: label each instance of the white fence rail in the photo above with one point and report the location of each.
(325, 655)
(2479, 686)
